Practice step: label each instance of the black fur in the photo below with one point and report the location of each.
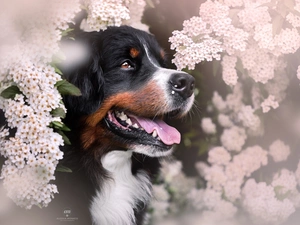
(99, 77)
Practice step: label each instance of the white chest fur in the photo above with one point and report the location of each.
(115, 203)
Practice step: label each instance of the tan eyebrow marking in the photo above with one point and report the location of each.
(134, 52)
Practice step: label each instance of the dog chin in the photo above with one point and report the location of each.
(151, 151)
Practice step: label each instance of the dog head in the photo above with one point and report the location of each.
(126, 92)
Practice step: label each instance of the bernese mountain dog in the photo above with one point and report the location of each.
(118, 133)
(117, 123)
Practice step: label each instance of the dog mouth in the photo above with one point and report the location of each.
(142, 130)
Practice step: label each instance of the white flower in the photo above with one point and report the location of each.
(201, 168)
(190, 53)
(160, 193)
(211, 198)
(195, 198)
(234, 172)
(32, 153)
(219, 156)
(248, 118)
(136, 12)
(256, 97)
(251, 159)
(226, 209)
(233, 138)
(160, 209)
(260, 202)
(195, 26)
(215, 177)
(170, 170)
(181, 185)
(278, 85)
(208, 126)
(288, 40)
(263, 71)
(229, 73)
(235, 40)
(234, 3)
(232, 190)
(251, 17)
(284, 183)
(224, 120)
(104, 13)
(264, 36)
(234, 100)
(293, 19)
(279, 151)
(218, 102)
(268, 103)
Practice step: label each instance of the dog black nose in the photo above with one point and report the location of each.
(183, 84)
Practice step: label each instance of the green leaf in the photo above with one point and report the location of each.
(10, 92)
(60, 126)
(65, 138)
(187, 142)
(278, 192)
(203, 147)
(66, 32)
(64, 169)
(58, 71)
(65, 128)
(58, 112)
(57, 124)
(66, 88)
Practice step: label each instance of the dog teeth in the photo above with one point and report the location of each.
(128, 121)
(135, 125)
(121, 115)
(154, 134)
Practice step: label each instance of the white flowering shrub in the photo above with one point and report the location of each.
(249, 176)
(31, 98)
(104, 13)
(31, 88)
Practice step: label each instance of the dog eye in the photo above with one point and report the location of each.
(126, 65)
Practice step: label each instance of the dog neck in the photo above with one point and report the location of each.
(122, 194)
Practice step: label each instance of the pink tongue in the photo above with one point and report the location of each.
(168, 135)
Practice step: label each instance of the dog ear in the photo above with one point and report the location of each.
(82, 68)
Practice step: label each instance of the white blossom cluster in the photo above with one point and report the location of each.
(171, 193)
(208, 126)
(231, 166)
(32, 150)
(104, 13)
(252, 40)
(249, 37)
(30, 36)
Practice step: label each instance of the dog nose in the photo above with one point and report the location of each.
(183, 84)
